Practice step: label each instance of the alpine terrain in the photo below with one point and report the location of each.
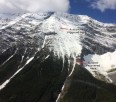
(56, 57)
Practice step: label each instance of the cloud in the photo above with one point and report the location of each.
(103, 5)
(9, 6)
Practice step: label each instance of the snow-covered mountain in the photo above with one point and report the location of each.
(53, 45)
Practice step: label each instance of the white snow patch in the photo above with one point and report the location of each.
(16, 20)
(63, 44)
(73, 67)
(9, 58)
(47, 57)
(106, 61)
(29, 60)
(60, 93)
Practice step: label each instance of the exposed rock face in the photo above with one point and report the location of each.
(43, 59)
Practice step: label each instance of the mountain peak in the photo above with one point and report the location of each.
(65, 35)
(44, 53)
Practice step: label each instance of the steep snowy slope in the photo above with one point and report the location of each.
(30, 42)
(6, 18)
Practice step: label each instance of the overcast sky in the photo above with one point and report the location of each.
(51, 5)
(34, 5)
(94, 8)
